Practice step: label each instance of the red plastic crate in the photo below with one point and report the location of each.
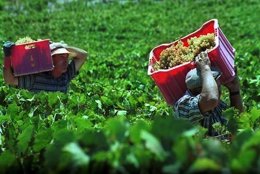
(171, 82)
(31, 58)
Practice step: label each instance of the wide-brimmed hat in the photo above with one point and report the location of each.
(193, 77)
(59, 50)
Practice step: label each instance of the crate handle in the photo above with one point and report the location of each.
(30, 46)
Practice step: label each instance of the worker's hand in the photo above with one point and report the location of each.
(202, 60)
(7, 48)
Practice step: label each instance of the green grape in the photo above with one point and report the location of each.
(24, 40)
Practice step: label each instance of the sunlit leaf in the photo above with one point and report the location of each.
(79, 158)
(152, 143)
(131, 158)
(4, 118)
(121, 113)
(204, 164)
(99, 104)
(255, 114)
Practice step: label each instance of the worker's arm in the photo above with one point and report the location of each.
(209, 96)
(234, 93)
(79, 56)
(8, 75)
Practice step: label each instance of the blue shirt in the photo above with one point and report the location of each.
(187, 107)
(46, 82)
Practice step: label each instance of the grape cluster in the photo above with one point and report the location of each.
(24, 40)
(202, 43)
(178, 54)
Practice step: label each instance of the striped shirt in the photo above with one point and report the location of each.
(187, 107)
(46, 82)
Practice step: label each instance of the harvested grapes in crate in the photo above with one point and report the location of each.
(178, 54)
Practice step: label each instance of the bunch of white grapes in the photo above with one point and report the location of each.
(24, 40)
(179, 54)
(202, 43)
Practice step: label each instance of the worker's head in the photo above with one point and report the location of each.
(60, 57)
(194, 82)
